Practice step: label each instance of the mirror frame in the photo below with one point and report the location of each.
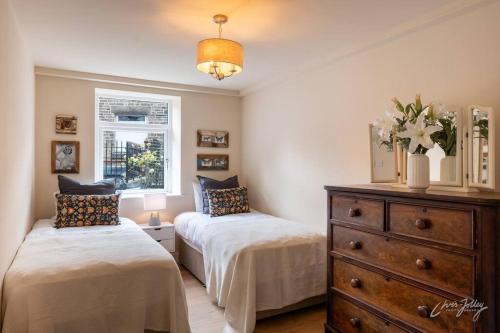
(402, 163)
(396, 169)
(491, 147)
(459, 155)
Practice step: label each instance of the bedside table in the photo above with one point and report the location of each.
(163, 234)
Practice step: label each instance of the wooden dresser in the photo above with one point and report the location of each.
(403, 261)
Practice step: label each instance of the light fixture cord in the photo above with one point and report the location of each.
(220, 30)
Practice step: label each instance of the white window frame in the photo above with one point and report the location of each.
(165, 129)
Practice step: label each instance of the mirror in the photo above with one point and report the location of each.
(481, 140)
(446, 156)
(383, 158)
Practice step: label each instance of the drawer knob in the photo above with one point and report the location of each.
(355, 283)
(353, 212)
(423, 263)
(355, 322)
(355, 245)
(424, 311)
(421, 224)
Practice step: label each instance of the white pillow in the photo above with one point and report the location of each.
(198, 199)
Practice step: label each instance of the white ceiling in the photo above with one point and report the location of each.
(156, 39)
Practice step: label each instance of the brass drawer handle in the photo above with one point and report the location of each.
(422, 224)
(353, 212)
(355, 245)
(423, 263)
(355, 283)
(424, 311)
(355, 322)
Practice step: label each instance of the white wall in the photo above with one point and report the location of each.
(16, 138)
(312, 130)
(75, 96)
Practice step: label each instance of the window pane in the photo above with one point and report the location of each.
(134, 159)
(120, 109)
(122, 118)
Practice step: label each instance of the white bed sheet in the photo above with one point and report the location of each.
(256, 262)
(190, 225)
(93, 279)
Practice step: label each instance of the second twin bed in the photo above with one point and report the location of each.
(253, 264)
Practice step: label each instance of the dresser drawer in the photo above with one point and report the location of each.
(443, 269)
(449, 226)
(360, 211)
(411, 304)
(348, 318)
(160, 232)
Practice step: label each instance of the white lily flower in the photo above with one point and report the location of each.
(385, 126)
(438, 111)
(419, 134)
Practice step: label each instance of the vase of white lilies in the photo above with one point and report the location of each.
(413, 127)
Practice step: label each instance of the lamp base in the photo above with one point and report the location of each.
(154, 219)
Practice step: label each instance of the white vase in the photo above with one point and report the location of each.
(448, 169)
(418, 177)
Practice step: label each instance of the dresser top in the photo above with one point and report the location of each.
(490, 198)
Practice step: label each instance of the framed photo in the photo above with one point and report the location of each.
(66, 124)
(212, 162)
(65, 157)
(209, 138)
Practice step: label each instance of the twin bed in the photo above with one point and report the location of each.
(93, 279)
(254, 265)
(118, 279)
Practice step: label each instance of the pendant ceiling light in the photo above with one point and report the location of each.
(220, 57)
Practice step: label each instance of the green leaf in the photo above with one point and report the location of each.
(410, 109)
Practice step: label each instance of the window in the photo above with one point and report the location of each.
(131, 119)
(133, 145)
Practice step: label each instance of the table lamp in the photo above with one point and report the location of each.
(154, 202)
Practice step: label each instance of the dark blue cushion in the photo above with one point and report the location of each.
(213, 184)
(72, 187)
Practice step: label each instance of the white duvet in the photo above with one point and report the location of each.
(256, 262)
(93, 279)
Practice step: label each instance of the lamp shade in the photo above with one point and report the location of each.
(155, 201)
(219, 55)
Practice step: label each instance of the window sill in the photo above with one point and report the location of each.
(140, 195)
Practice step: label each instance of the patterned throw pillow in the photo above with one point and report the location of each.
(228, 201)
(87, 210)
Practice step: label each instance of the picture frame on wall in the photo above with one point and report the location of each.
(212, 162)
(213, 139)
(66, 124)
(65, 157)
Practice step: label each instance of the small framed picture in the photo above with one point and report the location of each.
(66, 124)
(211, 162)
(216, 139)
(65, 157)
